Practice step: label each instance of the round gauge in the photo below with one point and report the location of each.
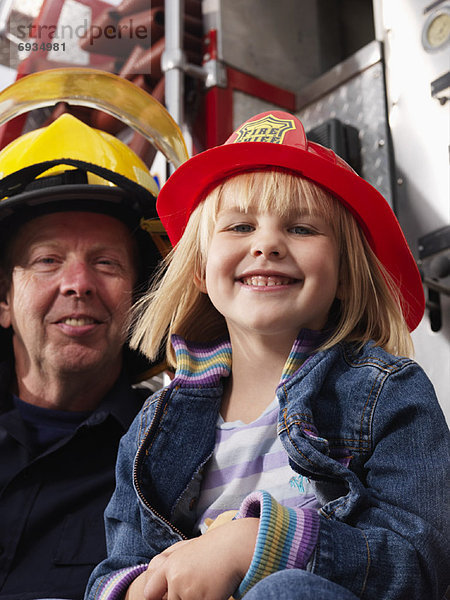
(436, 30)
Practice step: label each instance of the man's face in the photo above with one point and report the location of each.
(70, 294)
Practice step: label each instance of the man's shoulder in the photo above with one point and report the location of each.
(125, 400)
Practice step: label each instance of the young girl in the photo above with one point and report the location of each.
(292, 420)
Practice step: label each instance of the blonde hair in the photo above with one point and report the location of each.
(369, 305)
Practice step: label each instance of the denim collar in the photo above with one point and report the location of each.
(204, 365)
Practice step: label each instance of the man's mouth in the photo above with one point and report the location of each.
(78, 321)
(267, 280)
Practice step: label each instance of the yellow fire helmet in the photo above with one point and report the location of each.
(71, 162)
(68, 137)
(71, 166)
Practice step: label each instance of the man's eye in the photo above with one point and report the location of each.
(42, 263)
(45, 260)
(109, 265)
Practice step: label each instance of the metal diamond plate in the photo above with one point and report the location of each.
(360, 102)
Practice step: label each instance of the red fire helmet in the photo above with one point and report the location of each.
(276, 139)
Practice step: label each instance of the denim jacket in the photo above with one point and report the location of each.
(364, 425)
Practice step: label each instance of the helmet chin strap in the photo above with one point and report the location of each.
(17, 182)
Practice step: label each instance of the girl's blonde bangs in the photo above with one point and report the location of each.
(279, 192)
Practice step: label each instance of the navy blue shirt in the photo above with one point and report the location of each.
(54, 487)
(47, 426)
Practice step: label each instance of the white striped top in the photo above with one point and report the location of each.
(249, 457)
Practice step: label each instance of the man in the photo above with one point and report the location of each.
(72, 256)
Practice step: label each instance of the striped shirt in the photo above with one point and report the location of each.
(248, 457)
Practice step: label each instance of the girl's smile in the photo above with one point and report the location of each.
(271, 274)
(263, 280)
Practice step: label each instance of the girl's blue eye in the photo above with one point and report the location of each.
(301, 230)
(242, 228)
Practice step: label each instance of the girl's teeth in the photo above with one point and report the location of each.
(263, 281)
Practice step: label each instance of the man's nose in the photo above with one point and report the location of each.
(77, 279)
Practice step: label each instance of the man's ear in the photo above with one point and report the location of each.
(200, 284)
(5, 313)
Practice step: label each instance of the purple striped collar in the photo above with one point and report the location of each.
(205, 365)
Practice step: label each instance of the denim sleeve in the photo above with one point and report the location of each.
(394, 544)
(129, 548)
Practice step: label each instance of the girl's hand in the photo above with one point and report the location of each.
(209, 567)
